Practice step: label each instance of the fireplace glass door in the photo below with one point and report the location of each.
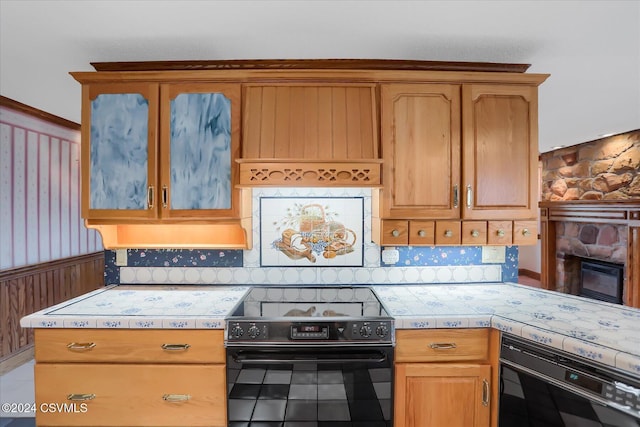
(602, 280)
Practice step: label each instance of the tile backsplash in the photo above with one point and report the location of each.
(440, 264)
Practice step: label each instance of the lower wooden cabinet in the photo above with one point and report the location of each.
(446, 377)
(130, 395)
(441, 394)
(153, 378)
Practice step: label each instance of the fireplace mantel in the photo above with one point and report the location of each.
(618, 212)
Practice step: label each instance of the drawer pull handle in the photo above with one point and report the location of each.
(455, 196)
(395, 233)
(81, 346)
(81, 397)
(443, 345)
(500, 233)
(526, 232)
(175, 347)
(150, 197)
(422, 233)
(485, 393)
(475, 233)
(448, 233)
(176, 397)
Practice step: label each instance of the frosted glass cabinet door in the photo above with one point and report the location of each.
(202, 146)
(121, 150)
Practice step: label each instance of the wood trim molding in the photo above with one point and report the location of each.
(307, 64)
(529, 273)
(43, 115)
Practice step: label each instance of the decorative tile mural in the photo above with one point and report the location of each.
(440, 264)
(308, 232)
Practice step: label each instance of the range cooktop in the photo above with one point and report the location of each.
(309, 315)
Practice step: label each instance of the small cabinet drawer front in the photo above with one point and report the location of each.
(474, 233)
(525, 232)
(129, 346)
(500, 233)
(131, 395)
(395, 232)
(448, 233)
(432, 345)
(421, 233)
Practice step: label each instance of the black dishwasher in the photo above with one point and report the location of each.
(542, 387)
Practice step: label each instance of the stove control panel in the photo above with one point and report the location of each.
(246, 331)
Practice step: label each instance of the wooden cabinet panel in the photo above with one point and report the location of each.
(310, 121)
(500, 142)
(474, 233)
(440, 394)
(132, 395)
(500, 233)
(420, 128)
(422, 233)
(436, 345)
(525, 232)
(132, 346)
(448, 233)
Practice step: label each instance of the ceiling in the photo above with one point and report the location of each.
(590, 48)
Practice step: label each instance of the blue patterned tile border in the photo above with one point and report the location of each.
(80, 323)
(210, 324)
(628, 363)
(506, 325)
(452, 322)
(543, 336)
(590, 351)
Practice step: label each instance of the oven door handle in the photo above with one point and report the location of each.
(249, 357)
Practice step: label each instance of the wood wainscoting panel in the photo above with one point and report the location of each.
(25, 290)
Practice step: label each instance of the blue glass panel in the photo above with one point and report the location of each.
(119, 131)
(201, 151)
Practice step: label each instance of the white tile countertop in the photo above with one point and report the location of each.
(607, 333)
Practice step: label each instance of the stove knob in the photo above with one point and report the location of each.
(382, 331)
(237, 332)
(365, 331)
(254, 331)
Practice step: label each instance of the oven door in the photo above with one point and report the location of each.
(528, 400)
(310, 386)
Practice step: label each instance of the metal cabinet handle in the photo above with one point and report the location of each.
(165, 196)
(176, 397)
(81, 346)
(443, 345)
(500, 233)
(81, 397)
(150, 197)
(395, 233)
(485, 393)
(475, 233)
(448, 233)
(422, 233)
(175, 347)
(455, 196)
(469, 196)
(526, 232)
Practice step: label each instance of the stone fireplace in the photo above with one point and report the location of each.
(577, 242)
(590, 210)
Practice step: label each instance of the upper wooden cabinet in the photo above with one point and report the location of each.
(458, 151)
(420, 128)
(188, 172)
(500, 140)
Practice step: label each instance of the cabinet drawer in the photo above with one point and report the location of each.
(421, 233)
(474, 233)
(131, 395)
(525, 232)
(430, 345)
(129, 346)
(448, 233)
(395, 232)
(500, 233)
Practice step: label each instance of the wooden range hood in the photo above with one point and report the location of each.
(316, 135)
